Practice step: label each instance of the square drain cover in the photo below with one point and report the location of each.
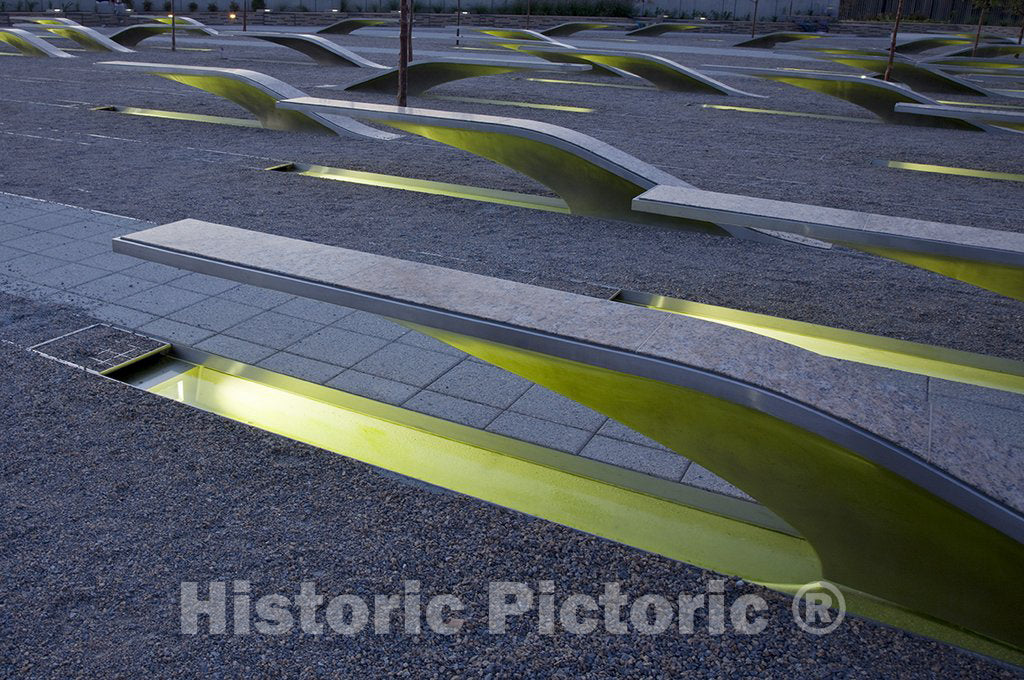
(100, 348)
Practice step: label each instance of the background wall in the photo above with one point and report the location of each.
(623, 9)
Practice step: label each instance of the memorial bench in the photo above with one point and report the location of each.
(427, 73)
(89, 38)
(955, 40)
(917, 76)
(770, 40)
(987, 258)
(661, 28)
(990, 51)
(346, 26)
(31, 45)
(599, 180)
(545, 34)
(131, 36)
(904, 499)
(320, 50)
(877, 96)
(59, 21)
(1012, 120)
(164, 19)
(256, 92)
(663, 73)
(524, 34)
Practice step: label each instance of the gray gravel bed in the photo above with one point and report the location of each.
(110, 498)
(163, 170)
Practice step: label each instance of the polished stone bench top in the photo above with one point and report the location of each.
(917, 425)
(597, 152)
(25, 41)
(835, 225)
(964, 113)
(314, 42)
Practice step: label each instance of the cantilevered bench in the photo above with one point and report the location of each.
(428, 73)
(1013, 120)
(592, 177)
(31, 45)
(987, 51)
(961, 64)
(571, 27)
(257, 93)
(596, 179)
(925, 44)
(663, 73)
(346, 26)
(918, 76)
(770, 40)
(164, 19)
(544, 34)
(893, 486)
(320, 50)
(131, 36)
(61, 21)
(524, 34)
(661, 28)
(983, 257)
(89, 38)
(877, 96)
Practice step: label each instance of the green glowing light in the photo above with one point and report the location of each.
(583, 82)
(424, 186)
(727, 535)
(994, 106)
(185, 49)
(964, 172)
(179, 115)
(801, 114)
(503, 102)
(874, 350)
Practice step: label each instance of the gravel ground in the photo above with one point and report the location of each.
(110, 497)
(55, 148)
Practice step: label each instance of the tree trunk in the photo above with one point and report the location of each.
(527, 14)
(977, 36)
(1020, 36)
(892, 44)
(403, 52)
(408, 28)
(753, 25)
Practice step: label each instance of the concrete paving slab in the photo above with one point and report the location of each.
(542, 432)
(373, 387)
(458, 410)
(337, 346)
(411, 365)
(300, 367)
(233, 348)
(664, 464)
(482, 383)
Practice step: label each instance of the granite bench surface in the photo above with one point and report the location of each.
(974, 434)
(964, 113)
(591, 149)
(834, 224)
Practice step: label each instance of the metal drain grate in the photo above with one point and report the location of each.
(100, 348)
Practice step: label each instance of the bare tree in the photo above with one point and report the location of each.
(892, 44)
(1017, 7)
(404, 50)
(983, 6)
